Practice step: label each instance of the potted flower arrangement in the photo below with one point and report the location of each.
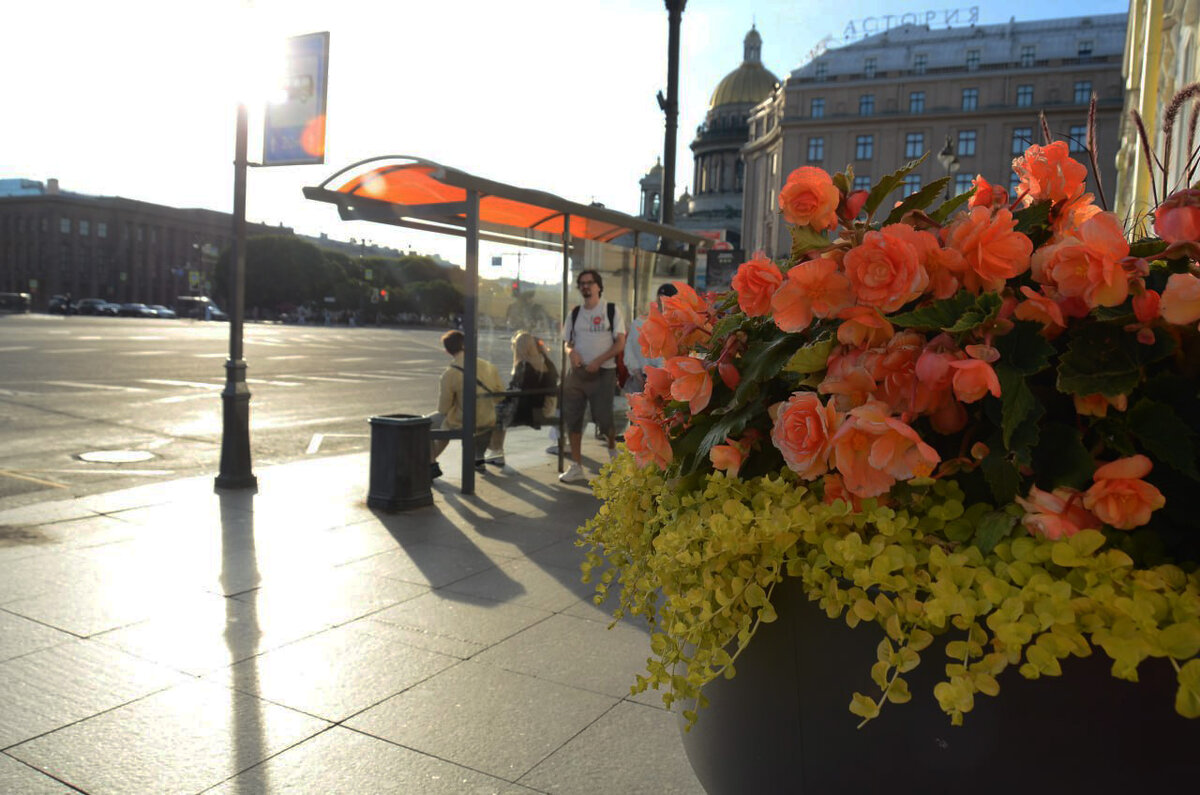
(968, 435)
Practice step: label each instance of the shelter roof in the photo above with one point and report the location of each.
(409, 191)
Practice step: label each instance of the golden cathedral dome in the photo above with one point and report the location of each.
(750, 83)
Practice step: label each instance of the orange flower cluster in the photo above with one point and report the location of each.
(852, 425)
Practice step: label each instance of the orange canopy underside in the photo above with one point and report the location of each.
(415, 185)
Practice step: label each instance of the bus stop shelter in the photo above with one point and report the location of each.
(419, 194)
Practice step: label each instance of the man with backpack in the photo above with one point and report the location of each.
(594, 335)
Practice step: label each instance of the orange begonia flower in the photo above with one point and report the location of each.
(863, 327)
(802, 430)
(1055, 515)
(656, 337)
(809, 198)
(1041, 308)
(1180, 303)
(885, 270)
(813, 288)
(973, 379)
(658, 381)
(1087, 264)
(1049, 172)
(993, 252)
(1097, 405)
(1177, 219)
(987, 194)
(691, 383)
(649, 444)
(1119, 497)
(728, 457)
(756, 281)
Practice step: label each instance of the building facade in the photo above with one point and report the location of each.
(1160, 59)
(55, 242)
(713, 206)
(970, 97)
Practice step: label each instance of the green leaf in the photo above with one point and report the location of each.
(1017, 399)
(1181, 641)
(1160, 430)
(1060, 458)
(985, 310)
(762, 360)
(1024, 348)
(1098, 360)
(918, 201)
(1032, 217)
(1187, 698)
(730, 424)
(812, 358)
(1002, 477)
(950, 205)
(938, 315)
(889, 184)
(993, 527)
(806, 239)
(1148, 248)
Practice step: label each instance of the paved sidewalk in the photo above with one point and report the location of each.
(171, 639)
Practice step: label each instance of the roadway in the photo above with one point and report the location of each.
(89, 405)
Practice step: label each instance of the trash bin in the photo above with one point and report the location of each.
(400, 462)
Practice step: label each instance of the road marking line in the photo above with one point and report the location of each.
(143, 353)
(314, 444)
(327, 378)
(288, 356)
(210, 355)
(71, 350)
(97, 386)
(354, 359)
(169, 382)
(377, 376)
(272, 383)
(182, 398)
(16, 348)
(39, 481)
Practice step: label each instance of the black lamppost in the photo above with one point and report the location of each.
(949, 161)
(670, 107)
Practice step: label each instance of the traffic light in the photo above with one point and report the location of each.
(516, 289)
(383, 293)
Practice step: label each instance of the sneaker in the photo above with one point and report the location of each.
(552, 449)
(435, 471)
(574, 474)
(496, 460)
(480, 465)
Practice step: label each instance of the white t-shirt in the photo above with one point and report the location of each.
(593, 336)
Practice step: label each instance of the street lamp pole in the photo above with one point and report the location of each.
(949, 161)
(235, 398)
(670, 107)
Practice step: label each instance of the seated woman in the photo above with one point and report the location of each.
(532, 371)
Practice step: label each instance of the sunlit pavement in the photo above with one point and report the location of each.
(172, 639)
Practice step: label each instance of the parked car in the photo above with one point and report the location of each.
(200, 307)
(163, 311)
(88, 306)
(15, 302)
(136, 310)
(60, 305)
(111, 309)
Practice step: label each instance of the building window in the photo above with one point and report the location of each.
(822, 71)
(916, 102)
(1083, 92)
(966, 143)
(919, 61)
(64, 225)
(869, 68)
(972, 60)
(1028, 55)
(1077, 138)
(1014, 180)
(101, 229)
(85, 228)
(1022, 137)
(914, 144)
(862, 182)
(866, 104)
(1085, 48)
(864, 147)
(1024, 96)
(816, 107)
(962, 183)
(816, 149)
(970, 99)
(912, 184)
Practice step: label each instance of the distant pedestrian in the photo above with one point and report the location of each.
(593, 334)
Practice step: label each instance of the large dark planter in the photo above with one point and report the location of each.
(782, 725)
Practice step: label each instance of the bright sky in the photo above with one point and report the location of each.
(137, 98)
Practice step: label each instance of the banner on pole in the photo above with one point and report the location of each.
(294, 128)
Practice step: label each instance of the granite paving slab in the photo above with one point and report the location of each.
(469, 625)
(19, 635)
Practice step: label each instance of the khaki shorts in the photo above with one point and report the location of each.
(595, 390)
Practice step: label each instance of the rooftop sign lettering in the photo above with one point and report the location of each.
(868, 26)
